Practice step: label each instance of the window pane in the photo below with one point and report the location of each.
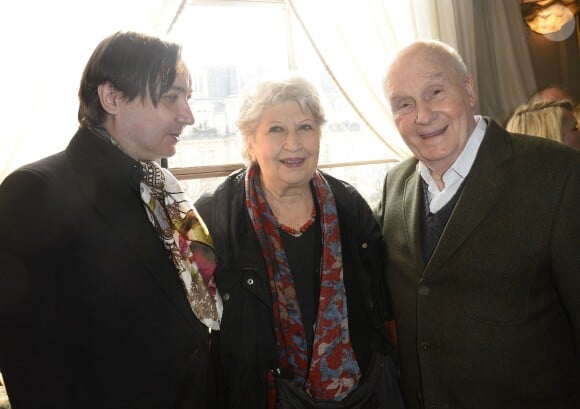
(196, 187)
(368, 179)
(230, 47)
(345, 136)
(226, 48)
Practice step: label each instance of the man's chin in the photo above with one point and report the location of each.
(169, 152)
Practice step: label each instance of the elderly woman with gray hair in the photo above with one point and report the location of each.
(299, 268)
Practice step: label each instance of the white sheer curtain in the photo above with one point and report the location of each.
(492, 40)
(44, 52)
(356, 39)
(45, 45)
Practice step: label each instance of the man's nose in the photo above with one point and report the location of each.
(185, 114)
(424, 113)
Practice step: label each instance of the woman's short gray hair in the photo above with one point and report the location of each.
(267, 93)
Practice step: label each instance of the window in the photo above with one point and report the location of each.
(231, 44)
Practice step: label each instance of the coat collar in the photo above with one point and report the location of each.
(110, 182)
(483, 187)
(412, 208)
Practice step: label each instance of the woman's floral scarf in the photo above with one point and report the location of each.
(186, 238)
(333, 371)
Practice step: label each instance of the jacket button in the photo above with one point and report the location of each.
(250, 281)
(226, 296)
(425, 346)
(195, 354)
(364, 245)
(423, 290)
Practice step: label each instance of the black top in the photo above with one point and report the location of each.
(245, 344)
(304, 258)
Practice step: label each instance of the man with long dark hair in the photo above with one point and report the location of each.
(106, 301)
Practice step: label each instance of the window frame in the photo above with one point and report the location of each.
(224, 169)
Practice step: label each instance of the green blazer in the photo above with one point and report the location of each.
(493, 319)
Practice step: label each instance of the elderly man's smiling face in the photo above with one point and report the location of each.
(432, 104)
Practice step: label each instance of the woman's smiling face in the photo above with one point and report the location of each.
(286, 145)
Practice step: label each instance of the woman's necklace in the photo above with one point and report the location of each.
(297, 233)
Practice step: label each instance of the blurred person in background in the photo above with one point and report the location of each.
(547, 119)
(550, 93)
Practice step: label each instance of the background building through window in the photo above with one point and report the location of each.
(229, 47)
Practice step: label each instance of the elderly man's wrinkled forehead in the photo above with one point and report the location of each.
(431, 61)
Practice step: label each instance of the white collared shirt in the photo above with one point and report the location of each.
(454, 176)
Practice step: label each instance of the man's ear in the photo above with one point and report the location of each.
(110, 97)
(470, 90)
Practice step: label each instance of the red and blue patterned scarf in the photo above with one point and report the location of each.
(333, 371)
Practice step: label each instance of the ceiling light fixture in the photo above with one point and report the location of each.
(554, 19)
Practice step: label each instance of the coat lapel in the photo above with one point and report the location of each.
(412, 208)
(483, 187)
(110, 183)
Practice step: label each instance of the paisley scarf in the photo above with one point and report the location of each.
(186, 238)
(183, 233)
(333, 371)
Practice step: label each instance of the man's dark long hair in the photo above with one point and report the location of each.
(135, 64)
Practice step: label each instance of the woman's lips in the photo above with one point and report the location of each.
(293, 162)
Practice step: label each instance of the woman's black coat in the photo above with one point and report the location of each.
(246, 344)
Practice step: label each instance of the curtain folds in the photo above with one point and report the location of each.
(493, 42)
(356, 40)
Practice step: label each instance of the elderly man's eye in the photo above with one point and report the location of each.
(403, 106)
